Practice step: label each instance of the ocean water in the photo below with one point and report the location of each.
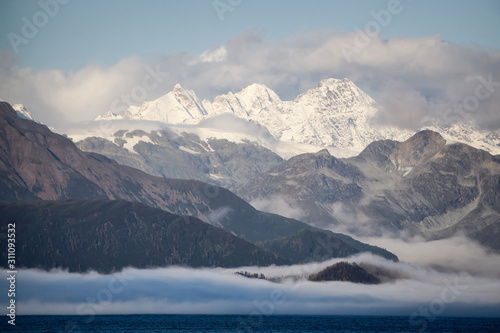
(219, 323)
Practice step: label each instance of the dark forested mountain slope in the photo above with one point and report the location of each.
(108, 235)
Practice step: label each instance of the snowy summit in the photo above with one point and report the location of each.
(336, 113)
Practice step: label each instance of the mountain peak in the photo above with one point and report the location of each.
(257, 86)
(426, 137)
(178, 87)
(332, 82)
(323, 152)
(184, 94)
(344, 88)
(108, 116)
(259, 90)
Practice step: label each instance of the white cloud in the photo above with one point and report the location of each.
(415, 79)
(278, 204)
(79, 96)
(456, 254)
(215, 216)
(217, 54)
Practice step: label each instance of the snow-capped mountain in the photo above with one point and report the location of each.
(22, 112)
(326, 116)
(335, 114)
(469, 134)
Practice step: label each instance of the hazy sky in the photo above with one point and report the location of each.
(67, 60)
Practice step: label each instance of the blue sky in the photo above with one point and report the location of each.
(104, 32)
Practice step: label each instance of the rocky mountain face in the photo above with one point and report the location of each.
(423, 185)
(489, 236)
(185, 156)
(107, 236)
(37, 164)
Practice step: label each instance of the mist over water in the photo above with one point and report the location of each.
(410, 289)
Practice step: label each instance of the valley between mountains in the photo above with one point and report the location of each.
(83, 211)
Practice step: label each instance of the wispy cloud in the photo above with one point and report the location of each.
(280, 205)
(458, 253)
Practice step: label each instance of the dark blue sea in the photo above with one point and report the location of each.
(219, 323)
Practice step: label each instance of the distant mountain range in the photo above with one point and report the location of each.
(388, 180)
(422, 186)
(37, 164)
(238, 136)
(318, 158)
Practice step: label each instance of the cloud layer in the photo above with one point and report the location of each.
(416, 80)
(177, 290)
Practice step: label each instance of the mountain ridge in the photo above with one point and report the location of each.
(423, 185)
(335, 114)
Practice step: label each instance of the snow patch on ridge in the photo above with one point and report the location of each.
(131, 142)
(22, 112)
